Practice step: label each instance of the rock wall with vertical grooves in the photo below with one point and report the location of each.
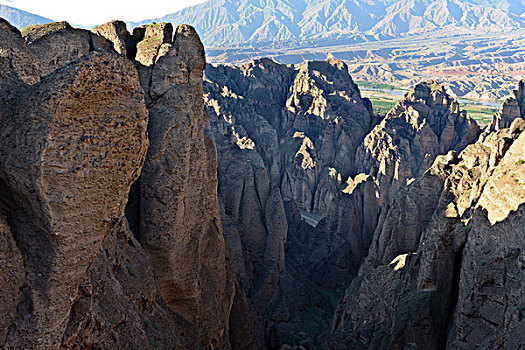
(512, 108)
(304, 140)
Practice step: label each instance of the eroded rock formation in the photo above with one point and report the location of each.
(284, 137)
(75, 122)
(308, 137)
(450, 275)
(427, 122)
(119, 231)
(512, 108)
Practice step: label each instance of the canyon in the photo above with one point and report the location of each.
(152, 200)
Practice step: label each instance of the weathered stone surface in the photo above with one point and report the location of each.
(33, 33)
(57, 44)
(326, 120)
(71, 147)
(179, 214)
(152, 41)
(491, 296)
(12, 279)
(73, 274)
(444, 267)
(119, 306)
(117, 33)
(280, 130)
(448, 276)
(18, 65)
(302, 122)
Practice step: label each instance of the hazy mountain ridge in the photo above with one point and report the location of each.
(226, 22)
(21, 19)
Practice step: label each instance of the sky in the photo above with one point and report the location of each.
(92, 12)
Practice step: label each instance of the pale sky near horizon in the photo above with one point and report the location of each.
(94, 12)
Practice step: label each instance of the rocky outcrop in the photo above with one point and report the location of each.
(302, 122)
(117, 33)
(308, 137)
(57, 44)
(327, 120)
(426, 123)
(18, 64)
(75, 127)
(284, 136)
(69, 156)
(179, 207)
(446, 277)
(512, 108)
(110, 240)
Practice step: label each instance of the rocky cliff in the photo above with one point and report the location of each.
(512, 108)
(445, 266)
(305, 171)
(427, 122)
(284, 139)
(98, 133)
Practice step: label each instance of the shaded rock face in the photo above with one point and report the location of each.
(512, 108)
(75, 127)
(453, 278)
(283, 138)
(197, 283)
(118, 305)
(304, 140)
(302, 122)
(57, 44)
(323, 94)
(426, 123)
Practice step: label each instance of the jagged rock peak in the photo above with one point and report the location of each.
(117, 33)
(316, 81)
(427, 122)
(75, 126)
(512, 108)
(444, 265)
(433, 96)
(34, 33)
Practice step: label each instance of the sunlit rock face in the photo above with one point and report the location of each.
(427, 122)
(458, 286)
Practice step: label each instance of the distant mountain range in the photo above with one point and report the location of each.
(21, 19)
(227, 22)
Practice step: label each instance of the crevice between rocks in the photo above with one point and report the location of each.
(454, 297)
(132, 211)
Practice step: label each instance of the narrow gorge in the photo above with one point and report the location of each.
(152, 201)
